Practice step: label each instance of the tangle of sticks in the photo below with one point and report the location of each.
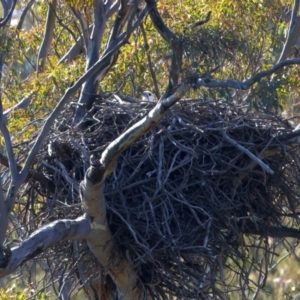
(192, 204)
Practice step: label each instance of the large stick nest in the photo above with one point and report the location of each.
(188, 207)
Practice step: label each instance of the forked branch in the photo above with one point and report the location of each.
(246, 84)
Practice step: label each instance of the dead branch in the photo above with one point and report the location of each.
(246, 84)
(48, 35)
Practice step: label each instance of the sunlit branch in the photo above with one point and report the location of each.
(111, 8)
(110, 154)
(44, 238)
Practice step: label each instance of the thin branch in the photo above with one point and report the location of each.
(159, 24)
(293, 34)
(248, 153)
(48, 35)
(75, 50)
(3, 221)
(200, 22)
(271, 231)
(23, 104)
(288, 135)
(151, 68)
(7, 17)
(111, 8)
(10, 153)
(244, 85)
(24, 14)
(84, 26)
(176, 45)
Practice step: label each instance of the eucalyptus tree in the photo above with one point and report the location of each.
(70, 77)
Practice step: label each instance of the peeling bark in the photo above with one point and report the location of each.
(100, 239)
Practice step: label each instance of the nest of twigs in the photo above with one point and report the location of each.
(187, 204)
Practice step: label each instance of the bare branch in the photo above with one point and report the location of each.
(15, 179)
(200, 22)
(100, 65)
(24, 14)
(151, 69)
(176, 44)
(160, 26)
(5, 7)
(23, 104)
(93, 45)
(43, 239)
(244, 85)
(84, 27)
(75, 50)
(48, 35)
(45, 182)
(126, 139)
(271, 231)
(248, 153)
(292, 136)
(3, 221)
(78, 47)
(90, 87)
(101, 241)
(111, 8)
(10, 152)
(7, 17)
(293, 34)
(8, 145)
(85, 100)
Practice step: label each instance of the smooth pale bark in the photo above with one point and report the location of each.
(293, 34)
(100, 240)
(44, 238)
(92, 45)
(48, 35)
(246, 84)
(78, 47)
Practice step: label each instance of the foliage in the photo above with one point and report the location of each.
(241, 37)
